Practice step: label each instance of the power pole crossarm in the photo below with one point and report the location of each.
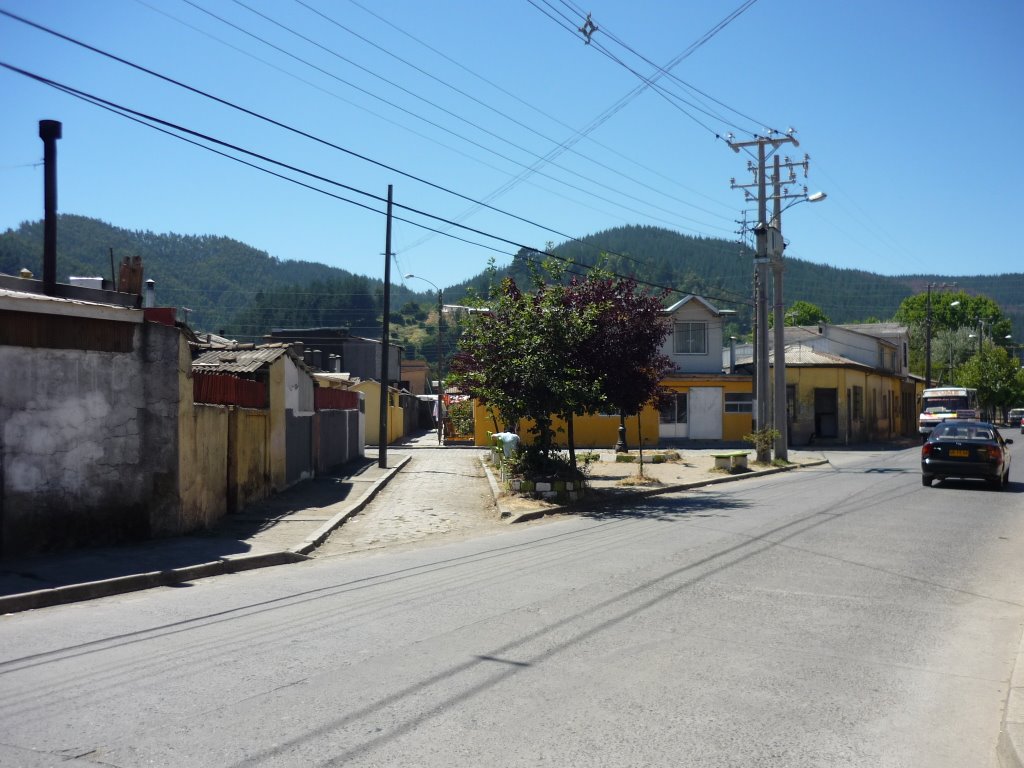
(769, 246)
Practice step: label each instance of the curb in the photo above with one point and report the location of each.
(90, 590)
(626, 495)
(1010, 747)
(355, 507)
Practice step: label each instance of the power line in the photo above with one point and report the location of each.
(401, 125)
(145, 119)
(445, 111)
(671, 75)
(274, 122)
(474, 99)
(531, 105)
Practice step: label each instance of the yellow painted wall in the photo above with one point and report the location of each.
(603, 431)
(396, 414)
(203, 466)
(880, 417)
(591, 431)
(202, 457)
(249, 470)
(734, 425)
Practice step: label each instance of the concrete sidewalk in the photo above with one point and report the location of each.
(281, 529)
(289, 526)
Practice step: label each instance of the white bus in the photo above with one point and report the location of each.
(943, 403)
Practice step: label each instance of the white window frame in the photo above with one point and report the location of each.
(738, 402)
(700, 326)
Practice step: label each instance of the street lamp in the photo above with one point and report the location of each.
(440, 367)
(781, 411)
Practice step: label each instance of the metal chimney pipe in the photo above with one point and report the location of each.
(49, 132)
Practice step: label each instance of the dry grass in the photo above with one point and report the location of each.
(644, 480)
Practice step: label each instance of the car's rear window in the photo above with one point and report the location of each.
(962, 432)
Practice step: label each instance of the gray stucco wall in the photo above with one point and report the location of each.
(338, 437)
(299, 448)
(88, 442)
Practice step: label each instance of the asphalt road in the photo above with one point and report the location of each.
(841, 616)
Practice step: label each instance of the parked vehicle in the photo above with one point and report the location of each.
(943, 403)
(1013, 418)
(966, 449)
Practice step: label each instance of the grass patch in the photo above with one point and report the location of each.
(641, 480)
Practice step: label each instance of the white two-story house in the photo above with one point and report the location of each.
(701, 402)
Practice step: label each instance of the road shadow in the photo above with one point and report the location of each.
(610, 507)
(976, 486)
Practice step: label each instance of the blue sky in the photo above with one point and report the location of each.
(908, 111)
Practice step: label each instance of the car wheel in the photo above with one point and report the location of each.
(926, 481)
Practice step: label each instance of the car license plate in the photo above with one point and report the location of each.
(959, 453)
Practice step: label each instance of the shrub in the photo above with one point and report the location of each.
(762, 439)
(461, 416)
(531, 464)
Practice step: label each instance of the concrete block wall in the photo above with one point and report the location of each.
(88, 443)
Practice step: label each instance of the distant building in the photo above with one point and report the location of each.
(336, 350)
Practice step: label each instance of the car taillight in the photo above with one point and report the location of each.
(926, 450)
(995, 453)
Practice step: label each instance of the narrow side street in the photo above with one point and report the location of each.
(441, 491)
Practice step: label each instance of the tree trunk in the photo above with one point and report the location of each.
(640, 443)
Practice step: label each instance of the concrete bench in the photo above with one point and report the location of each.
(731, 459)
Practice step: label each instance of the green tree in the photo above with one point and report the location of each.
(562, 350)
(995, 374)
(951, 348)
(623, 353)
(950, 311)
(513, 356)
(801, 313)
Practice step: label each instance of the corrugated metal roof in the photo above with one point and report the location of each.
(801, 355)
(30, 301)
(345, 379)
(873, 329)
(239, 360)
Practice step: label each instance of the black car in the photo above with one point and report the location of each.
(961, 448)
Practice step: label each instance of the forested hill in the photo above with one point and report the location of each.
(244, 291)
(722, 270)
(217, 278)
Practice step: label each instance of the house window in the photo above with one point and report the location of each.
(858, 403)
(739, 402)
(691, 338)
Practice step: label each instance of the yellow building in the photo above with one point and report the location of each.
(415, 376)
(589, 431)
(835, 399)
(396, 414)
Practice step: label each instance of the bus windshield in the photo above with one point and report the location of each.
(945, 404)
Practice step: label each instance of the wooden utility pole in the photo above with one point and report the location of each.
(385, 345)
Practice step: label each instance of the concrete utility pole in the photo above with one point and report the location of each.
(761, 260)
(776, 246)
